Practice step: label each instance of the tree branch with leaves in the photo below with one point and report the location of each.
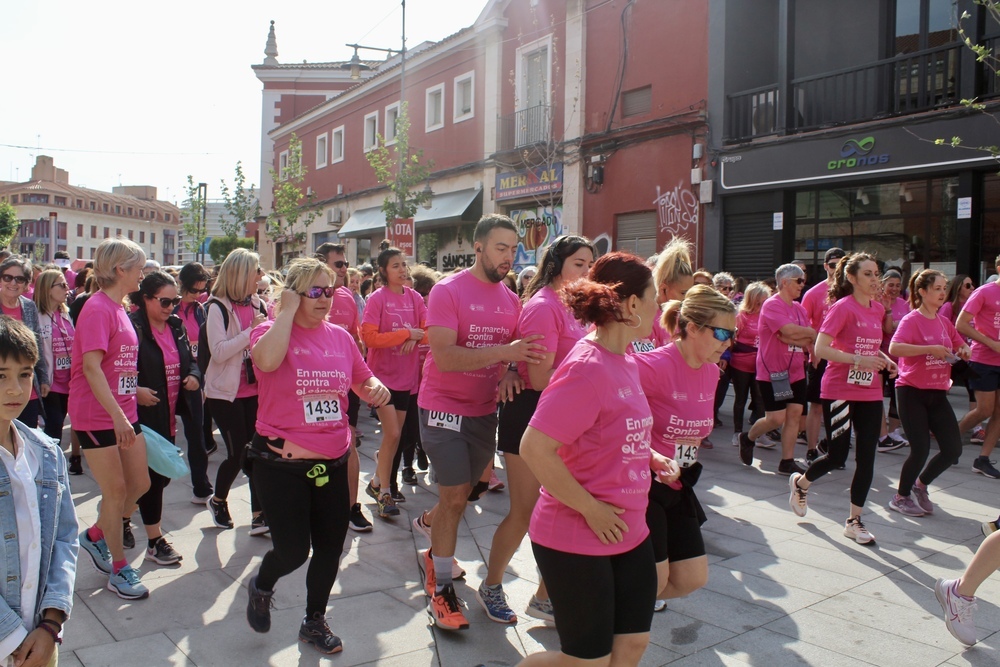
(192, 215)
(241, 204)
(9, 224)
(293, 210)
(402, 172)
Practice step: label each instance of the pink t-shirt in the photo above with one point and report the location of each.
(546, 315)
(304, 400)
(854, 330)
(187, 313)
(948, 312)
(658, 338)
(682, 400)
(773, 356)
(926, 371)
(172, 362)
(747, 325)
(105, 326)
(483, 315)
(391, 312)
(595, 407)
(984, 306)
(245, 315)
(62, 345)
(344, 310)
(900, 308)
(816, 303)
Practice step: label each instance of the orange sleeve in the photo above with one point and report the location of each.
(372, 338)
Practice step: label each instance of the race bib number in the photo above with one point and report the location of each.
(321, 409)
(794, 348)
(686, 452)
(128, 383)
(859, 377)
(643, 346)
(194, 350)
(444, 420)
(63, 363)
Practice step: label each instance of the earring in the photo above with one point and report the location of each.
(636, 326)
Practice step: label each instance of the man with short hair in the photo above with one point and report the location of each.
(784, 332)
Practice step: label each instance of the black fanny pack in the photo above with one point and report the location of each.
(262, 448)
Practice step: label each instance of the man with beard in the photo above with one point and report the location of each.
(471, 318)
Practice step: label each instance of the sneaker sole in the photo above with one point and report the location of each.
(549, 620)
(434, 621)
(95, 561)
(388, 514)
(895, 507)
(324, 651)
(497, 619)
(792, 487)
(421, 529)
(988, 528)
(985, 473)
(364, 528)
(154, 559)
(851, 535)
(127, 596)
(261, 530)
(939, 594)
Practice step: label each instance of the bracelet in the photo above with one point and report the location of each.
(46, 624)
(857, 360)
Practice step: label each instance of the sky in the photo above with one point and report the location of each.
(136, 93)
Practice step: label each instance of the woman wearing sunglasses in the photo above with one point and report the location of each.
(168, 373)
(306, 366)
(15, 275)
(679, 381)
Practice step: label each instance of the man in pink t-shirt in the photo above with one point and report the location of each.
(817, 302)
(471, 319)
(784, 333)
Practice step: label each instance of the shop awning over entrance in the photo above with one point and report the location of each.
(446, 208)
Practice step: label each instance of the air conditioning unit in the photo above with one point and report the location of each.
(334, 216)
(309, 191)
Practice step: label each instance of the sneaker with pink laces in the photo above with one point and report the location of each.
(957, 611)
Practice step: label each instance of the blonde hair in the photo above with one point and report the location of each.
(700, 306)
(43, 286)
(753, 296)
(301, 273)
(234, 274)
(113, 254)
(673, 262)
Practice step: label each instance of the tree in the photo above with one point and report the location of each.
(241, 204)
(9, 224)
(192, 215)
(402, 200)
(289, 210)
(220, 246)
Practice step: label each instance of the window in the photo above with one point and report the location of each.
(36, 199)
(107, 231)
(118, 232)
(142, 213)
(167, 217)
(130, 210)
(118, 209)
(79, 252)
(391, 116)
(321, 156)
(93, 231)
(637, 102)
(337, 154)
(434, 120)
(92, 253)
(131, 235)
(79, 231)
(13, 199)
(105, 208)
(79, 203)
(60, 201)
(465, 96)
(533, 74)
(282, 164)
(371, 130)
(93, 206)
(152, 238)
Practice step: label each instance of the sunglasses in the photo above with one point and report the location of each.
(722, 334)
(21, 280)
(165, 302)
(317, 292)
(62, 285)
(198, 291)
(800, 281)
(340, 264)
(726, 288)
(261, 292)
(967, 285)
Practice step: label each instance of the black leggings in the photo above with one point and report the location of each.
(151, 502)
(922, 412)
(236, 422)
(745, 384)
(197, 454)
(55, 414)
(866, 417)
(300, 512)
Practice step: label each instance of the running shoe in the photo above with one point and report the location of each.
(422, 527)
(128, 539)
(540, 609)
(259, 607)
(736, 439)
(409, 476)
(905, 505)
(163, 553)
(494, 601)
(898, 436)
(797, 495)
(397, 496)
(717, 422)
(478, 489)
(430, 579)
(372, 491)
(789, 466)
(922, 498)
(422, 464)
(445, 610)
(258, 525)
(127, 585)
(98, 552)
(315, 631)
(746, 449)
(769, 440)
(220, 513)
(887, 444)
(200, 500)
(387, 506)
(823, 447)
(984, 466)
(495, 484)
(978, 435)
(75, 465)
(812, 455)
(659, 605)
(855, 529)
(957, 611)
(801, 439)
(358, 522)
(990, 527)
(707, 444)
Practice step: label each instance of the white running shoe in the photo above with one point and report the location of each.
(957, 611)
(797, 495)
(855, 529)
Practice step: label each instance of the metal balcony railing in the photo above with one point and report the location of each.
(991, 79)
(527, 127)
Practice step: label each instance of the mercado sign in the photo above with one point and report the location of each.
(526, 182)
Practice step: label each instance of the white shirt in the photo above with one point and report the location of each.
(23, 468)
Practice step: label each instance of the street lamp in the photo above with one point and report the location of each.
(203, 197)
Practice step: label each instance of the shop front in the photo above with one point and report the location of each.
(532, 198)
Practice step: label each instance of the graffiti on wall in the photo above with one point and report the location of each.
(678, 211)
(536, 229)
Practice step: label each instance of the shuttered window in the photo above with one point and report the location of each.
(637, 233)
(638, 101)
(749, 246)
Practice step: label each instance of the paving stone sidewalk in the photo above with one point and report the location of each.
(781, 590)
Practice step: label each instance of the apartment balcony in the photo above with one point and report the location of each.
(521, 129)
(905, 84)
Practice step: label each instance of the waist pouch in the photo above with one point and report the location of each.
(260, 449)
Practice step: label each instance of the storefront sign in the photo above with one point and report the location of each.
(401, 235)
(778, 221)
(536, 229)
(964, 211)
(526, 182)
(858, 153)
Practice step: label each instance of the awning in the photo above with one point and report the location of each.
(446, 208)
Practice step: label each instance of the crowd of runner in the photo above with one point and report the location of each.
(598, 379)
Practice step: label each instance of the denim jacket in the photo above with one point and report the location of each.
(57, 572)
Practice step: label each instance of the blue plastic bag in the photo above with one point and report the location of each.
(163, 456)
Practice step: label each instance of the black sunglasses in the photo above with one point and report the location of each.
(967, 285)
(195, 290)
(21, 280)
(165, 302)
(340, 264)
(317, 292)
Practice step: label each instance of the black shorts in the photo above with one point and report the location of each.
(514, 418)
(353, 407)
(674, 526)
(595, 598)
(101, 439)
(400, 400)
(988, 377)
(771, 405)
(815, 377)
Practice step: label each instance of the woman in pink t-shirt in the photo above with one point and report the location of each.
(299, 454)
(960, 288)
(392, 326)
(588, 444)
(896, 308)
(565, 261)
(743, 362)
(926, 344)
(849, 340)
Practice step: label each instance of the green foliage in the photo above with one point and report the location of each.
(9, 224)
(241, 203)
(195, 229)
(291, 216)
(221, 246)
(403, 200)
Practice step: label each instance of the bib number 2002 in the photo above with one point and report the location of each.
(860, 377)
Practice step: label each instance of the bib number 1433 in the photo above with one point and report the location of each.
(686, 452)
(321, 409)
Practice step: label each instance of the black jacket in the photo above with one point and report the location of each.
(152, 372)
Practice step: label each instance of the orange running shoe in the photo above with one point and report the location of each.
(445, 611)
(430, 581)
